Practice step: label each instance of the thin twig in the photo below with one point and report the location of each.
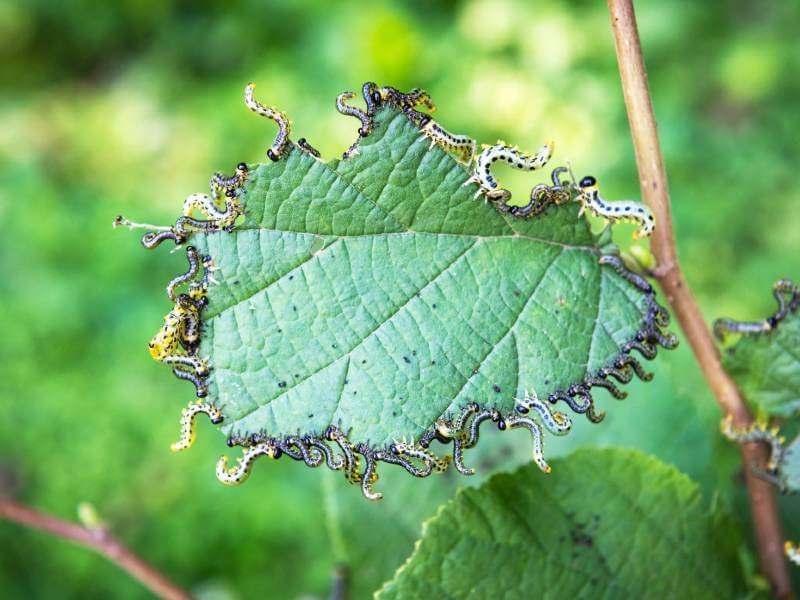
(99, 540)
(653, 181)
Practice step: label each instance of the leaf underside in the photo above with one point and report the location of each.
(551, 539)
(376, 295)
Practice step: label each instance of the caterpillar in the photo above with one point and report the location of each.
(792, 552)
(543, 196)
(220, 183)
(354, 111)
(152, 239)
(636, 280)
(200, 386)
(164, 345)
(194, 263)
(303, 144)
(351, 460)
(556, 422)
(188, 422)
(787, 296)
(219, 219)
(372, 97)
(237, 474)
(431, 462)
(370, 476)
(461, 145)
(515, 421)
(624, 210)
(284, 124)
(757, 432)
(482, 175)
(412, 99)
(408, 102)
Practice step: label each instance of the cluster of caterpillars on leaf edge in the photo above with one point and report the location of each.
(177, 341)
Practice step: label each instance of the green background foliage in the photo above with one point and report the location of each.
(128, 107)
(642, 543)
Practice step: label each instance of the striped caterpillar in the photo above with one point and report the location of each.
(624, 210)
(787, 295)
(757, 432)
(284, 124)
(556, 422)
(431, 462)
(164, 347)
(303, 144)
(792, 552)
(482, 175)
(354, 111)
(237, 474)
(220, 183)
(188, 423)
(461, 145)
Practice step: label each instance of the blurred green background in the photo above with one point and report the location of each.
(127, 107)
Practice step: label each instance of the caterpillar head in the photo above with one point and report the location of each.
(588, 184)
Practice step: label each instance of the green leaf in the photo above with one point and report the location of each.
(377, 295)
(607, 523)
(766, 368)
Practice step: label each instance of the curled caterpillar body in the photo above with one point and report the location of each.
(624, 210)
(431, 462)
(412, 99)
(194, 264)
(757, 432)
(792, 552)
(188, 424)
(219, 219)
(787, 295)
(200, 386)
(221, 184)
(515, 421)
(482, 174)
(237, 474)
(354, 111)
(555, 421)
(637, 280)
(278, 146)
(462, 146)
(165, 345)
(153, 239)
(372, 97)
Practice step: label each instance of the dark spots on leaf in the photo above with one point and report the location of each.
(294, 308)
(433, 306)
(394, 413)
(363, 362)
(407, 360)
(517, 293)
(475, 371)
(235, 282)
(281, 384)
(496, 388)
(311, 415)
(413, 353)
(433, 362)
(333, 345)
(291, 277)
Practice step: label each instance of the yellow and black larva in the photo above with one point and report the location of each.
(543, 196)
(188, 423)
(482, 175)
(757, 432)
(278, 146)
(787, 295)
(624, 210)
(462, 146)
(218, 219)
(221, 184)
(792, 552)
(303, 144)
(237, 474)
(431, 462)
(166, 344)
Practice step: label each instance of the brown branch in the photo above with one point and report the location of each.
(653, 182)
(99, 540)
